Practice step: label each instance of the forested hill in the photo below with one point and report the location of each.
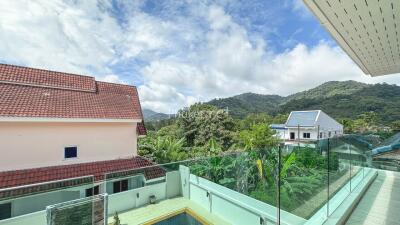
(340, 99)
(150, 115)
(241, 105)
(329, 89)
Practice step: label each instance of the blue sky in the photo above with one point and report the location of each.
(178, 52)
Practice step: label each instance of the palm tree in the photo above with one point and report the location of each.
(166, 149)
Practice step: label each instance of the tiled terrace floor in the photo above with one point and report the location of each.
(381, 203)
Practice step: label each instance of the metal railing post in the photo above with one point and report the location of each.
(279, 184)
(328, 155)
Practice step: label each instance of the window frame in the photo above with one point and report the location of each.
(70, 146)
(306, 135)
(123, 185)
(92, 191)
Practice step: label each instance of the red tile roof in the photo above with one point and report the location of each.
(27, 92)
(39, 77)
(141, 129)
(97, 169)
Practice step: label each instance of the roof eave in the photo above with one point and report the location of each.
(67, 120)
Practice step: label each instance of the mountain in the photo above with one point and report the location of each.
(150, 115)
(243, 104)
(340, 99)
(383, 99)
(329, 89)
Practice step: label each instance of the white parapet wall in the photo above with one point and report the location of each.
(138, 197)
(37, 218)
(234, 207)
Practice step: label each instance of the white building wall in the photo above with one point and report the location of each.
(313, 133)
(328, 124)
(281, 133)
(38, 144)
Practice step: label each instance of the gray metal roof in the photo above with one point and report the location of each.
(302, 118)
(278, 126)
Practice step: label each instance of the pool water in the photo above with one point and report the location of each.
(180, 219)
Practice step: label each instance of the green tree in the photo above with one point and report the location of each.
(200, 122)
(170, 131)
(280, 118)
(253, 119)
(259, 136)
(395, 125)
(163, 149)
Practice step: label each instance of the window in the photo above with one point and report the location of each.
(119, 186)
(5, 211)
(292, 135)
(70, 152)
(320, 134)
(306, 135)
(92, 191)
(329, 134)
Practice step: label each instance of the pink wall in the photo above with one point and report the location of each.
(37, 144)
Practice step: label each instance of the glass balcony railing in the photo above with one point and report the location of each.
(310, 182)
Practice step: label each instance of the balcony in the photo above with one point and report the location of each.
(333, 181)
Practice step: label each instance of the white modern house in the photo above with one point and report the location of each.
(308, 125)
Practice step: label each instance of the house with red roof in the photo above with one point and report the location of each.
(61, 134)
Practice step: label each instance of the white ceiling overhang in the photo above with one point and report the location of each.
(367, 30)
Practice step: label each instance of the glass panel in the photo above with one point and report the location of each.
(244, 183)
(384, 155)
(303, 186)
(39, 196)
(38, 188)
(339, 173)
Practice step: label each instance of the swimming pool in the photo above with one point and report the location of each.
(180, 219)
(184, 216)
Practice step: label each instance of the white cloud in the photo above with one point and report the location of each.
(230, 63)
(300, 8)
(73, 36)
(179, 58)
(112, 78)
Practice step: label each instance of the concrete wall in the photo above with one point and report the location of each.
(37, 218)
(34, 203)
(37, 144)
(131, 199)
(173, 188)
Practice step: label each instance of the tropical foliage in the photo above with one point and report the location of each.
(204, 130)
(244, 155)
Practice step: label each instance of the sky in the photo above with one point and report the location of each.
(178, 52)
